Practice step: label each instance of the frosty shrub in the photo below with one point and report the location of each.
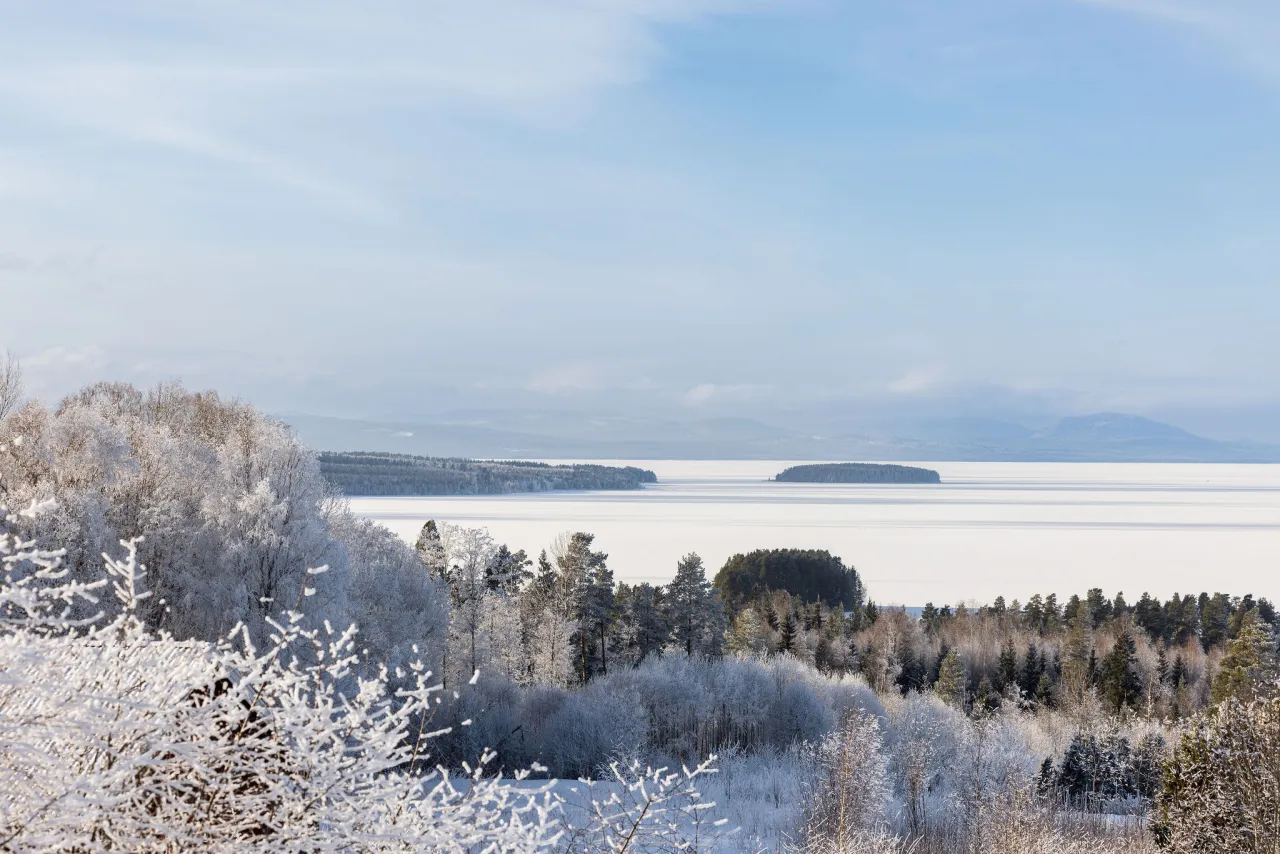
(847, 803)
(639, 809)
(114, 738)
(1222, 786)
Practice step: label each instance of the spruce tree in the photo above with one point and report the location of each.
(788, 632)
(1045, 781)
(1044, 690)
(952, 679)
(1118, 675)
(1007, 671)
(1031, 669)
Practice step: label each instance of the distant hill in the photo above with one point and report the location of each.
(367, 473)
(1116, 437)
(857, 473)
(1102, 437)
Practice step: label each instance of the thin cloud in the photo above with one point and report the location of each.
(224, 76)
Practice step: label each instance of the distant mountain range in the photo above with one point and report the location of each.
(518, 434)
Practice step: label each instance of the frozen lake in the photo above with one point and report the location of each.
(990, 529)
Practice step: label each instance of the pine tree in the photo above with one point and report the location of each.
(1098, 607)
(690, 607)
(1033, 614)
(644, 629)
(1052, 616)
(952, 679)
(588, 576)
(507, 571)
(1214, 619)
(1118, 676)
(930, 618)
(1249, 663)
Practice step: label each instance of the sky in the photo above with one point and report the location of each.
(389, 210)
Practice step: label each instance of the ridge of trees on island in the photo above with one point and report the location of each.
(857, 473)
(368, 473)
(943, 731)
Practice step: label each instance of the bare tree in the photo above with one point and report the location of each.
(10, 384)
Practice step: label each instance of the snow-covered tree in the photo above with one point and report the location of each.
(1222, 785)
(232, 506)
(430, 549)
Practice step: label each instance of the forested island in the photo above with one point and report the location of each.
(857, 473)
(369, 473)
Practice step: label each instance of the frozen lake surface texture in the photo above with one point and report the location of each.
(990, 529)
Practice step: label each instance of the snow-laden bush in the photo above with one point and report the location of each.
(1222, 786)
(233, 508)
(114, 737)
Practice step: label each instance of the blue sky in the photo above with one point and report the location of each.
(386, 209)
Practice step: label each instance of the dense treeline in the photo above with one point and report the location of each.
(367, 473)
(857, 473)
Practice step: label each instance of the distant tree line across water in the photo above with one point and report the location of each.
(369, 473)
(857, 473)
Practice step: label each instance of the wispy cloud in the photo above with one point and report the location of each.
(226, 81)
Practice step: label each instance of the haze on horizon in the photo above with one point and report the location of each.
(690, 208)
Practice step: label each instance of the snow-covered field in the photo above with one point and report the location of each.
(990, 529)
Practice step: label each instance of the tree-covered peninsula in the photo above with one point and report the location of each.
(367, 473)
